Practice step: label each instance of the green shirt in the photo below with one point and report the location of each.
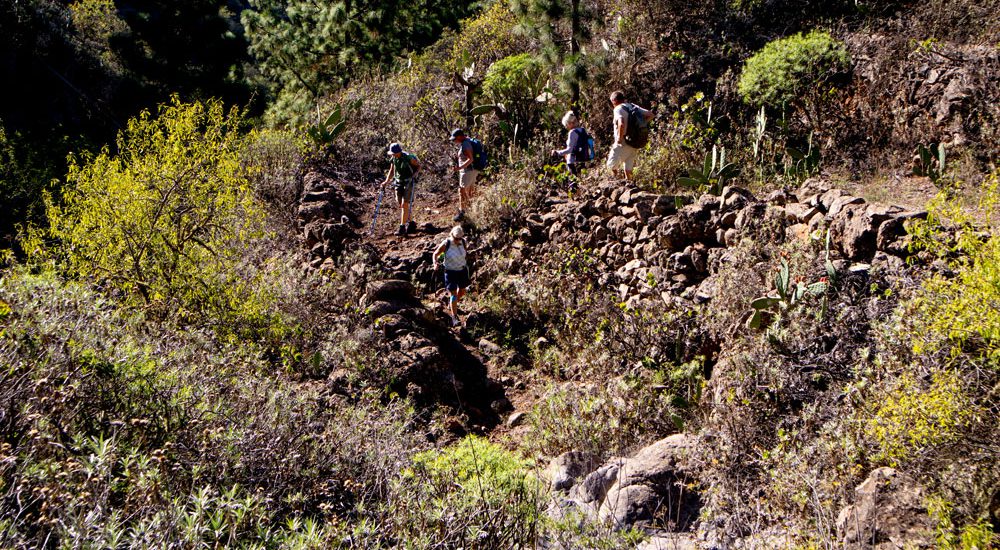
(403, 170)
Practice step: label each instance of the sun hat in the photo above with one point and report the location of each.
(457, 233)
(395, 148)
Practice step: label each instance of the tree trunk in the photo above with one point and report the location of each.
(574, 50)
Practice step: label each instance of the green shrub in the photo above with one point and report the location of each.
(958, 314)
(126, 429)
(612, 419)
(471, 494)
(793, 70)
(910, 418)
(515, 82)
(167, 218)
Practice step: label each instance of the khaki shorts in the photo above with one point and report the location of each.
(467, 177)
(622, 154)
(404, 190)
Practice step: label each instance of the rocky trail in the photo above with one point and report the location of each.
(404, 298)
(650, 249)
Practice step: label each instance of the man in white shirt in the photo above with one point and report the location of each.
(625, 149)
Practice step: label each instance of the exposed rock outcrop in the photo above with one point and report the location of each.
(651, 488)
(889, 511)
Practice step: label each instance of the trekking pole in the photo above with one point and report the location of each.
(378, 203)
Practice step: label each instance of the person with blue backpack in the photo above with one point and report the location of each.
(579, 147)
(631, 133)
(472, 159)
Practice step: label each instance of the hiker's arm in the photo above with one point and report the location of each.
(416, 166)
(437, 252)
(647, 114)
(621, 128)
(467, 153)
(392, 170)
(571, 143)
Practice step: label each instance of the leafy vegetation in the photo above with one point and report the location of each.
(177, 370)
(165, 220)
(799, 71)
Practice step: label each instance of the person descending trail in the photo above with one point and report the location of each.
(578, 149)
(471, 160)
(631, 133)
(403, 170)
(456, 269)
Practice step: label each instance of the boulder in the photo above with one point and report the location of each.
(325, 195)
(652, 485)
(377, 310)
(389, 290)
(855, 228)
(664, 205)
(841, 202)
(312, 211)
(890, 510)
(566, 469)
(797, 212)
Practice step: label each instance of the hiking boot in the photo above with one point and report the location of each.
(455, 322)
(401, 230)
(458, 217)
(411, 227)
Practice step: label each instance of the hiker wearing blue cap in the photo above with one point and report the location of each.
(403, 169)
(471, 160)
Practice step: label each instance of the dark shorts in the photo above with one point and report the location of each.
(454, 280)
(404, 190)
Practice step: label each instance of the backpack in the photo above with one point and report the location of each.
(479, 156)
(637, 132)
(584, 146)
(404, 170)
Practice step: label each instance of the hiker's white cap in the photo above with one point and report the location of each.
(456, 232)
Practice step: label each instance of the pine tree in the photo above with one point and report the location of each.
(305, 48)
(561, 26)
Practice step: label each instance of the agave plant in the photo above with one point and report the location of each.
(327, 130)
(932, 159)
(713, 174)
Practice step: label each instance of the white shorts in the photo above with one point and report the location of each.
(622, 154)
(467, 177)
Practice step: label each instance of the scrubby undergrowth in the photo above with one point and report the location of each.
(174, 373)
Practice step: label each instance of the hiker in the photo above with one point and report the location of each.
(577, 150)
(456, 269)
(466, 168)
(630, 133)
(403, 168)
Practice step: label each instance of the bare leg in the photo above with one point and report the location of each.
(404, 212)
(465, 197)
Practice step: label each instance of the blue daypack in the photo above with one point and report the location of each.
(584, 145)
(479, 156)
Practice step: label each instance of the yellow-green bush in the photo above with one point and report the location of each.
(960, 314)
(166, 219)
(910, 417)
(486, 38)
(474, 493)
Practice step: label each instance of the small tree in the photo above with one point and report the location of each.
(166, 219)
(799, 71)
(561, 26)
(306, 48)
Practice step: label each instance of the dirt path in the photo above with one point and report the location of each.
(408, 257)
